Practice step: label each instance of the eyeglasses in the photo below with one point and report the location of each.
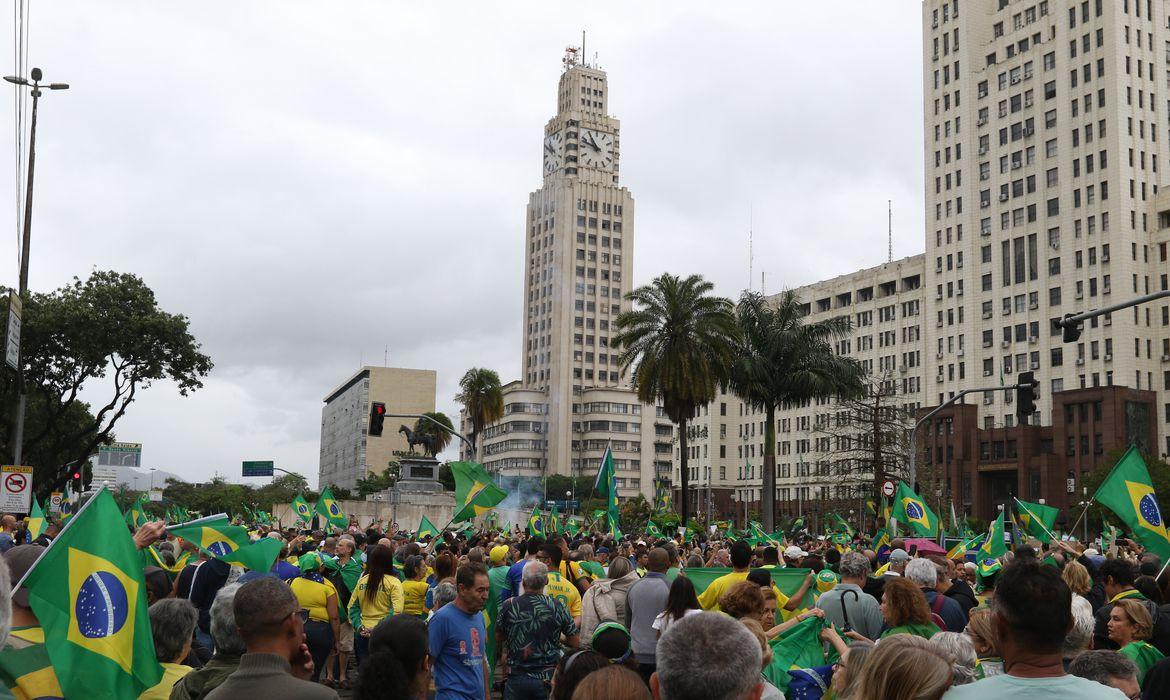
(303, 614)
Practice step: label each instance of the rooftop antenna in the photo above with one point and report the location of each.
(751, 258)
(584, 56)
(763, 276)
(890, 230)
(386, 357)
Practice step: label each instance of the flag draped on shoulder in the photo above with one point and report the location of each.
(88, 591)
(911, 510)
(798, 647)
(1128, 491)
(329, 509)
(303, 510)
(1037, 519)
(475, 493)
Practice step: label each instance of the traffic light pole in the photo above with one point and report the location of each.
(1071, 323)
(928, 416)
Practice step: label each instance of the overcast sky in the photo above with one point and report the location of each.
(312, 182)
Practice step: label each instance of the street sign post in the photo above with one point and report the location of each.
(55, 502)
(15, 489)
(12, 337)
(888, 489)
(254, 468)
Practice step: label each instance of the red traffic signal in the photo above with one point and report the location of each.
(377, 415)
(76, 475)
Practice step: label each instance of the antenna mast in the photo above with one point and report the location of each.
(890, 231)
(751, 259)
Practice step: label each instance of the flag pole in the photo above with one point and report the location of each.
(1035, 519)
(1088, 504)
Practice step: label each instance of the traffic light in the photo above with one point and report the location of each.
(377, 415)
(1071, 331)
(1026, 393)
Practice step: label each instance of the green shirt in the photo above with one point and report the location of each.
(925, 631)
(1144, 656)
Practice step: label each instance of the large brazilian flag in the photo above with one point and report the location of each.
(911, 509)
(787, 580)
(302, 508)
(88, 592)
(327, 507)
(475, 492)
(1128, 491)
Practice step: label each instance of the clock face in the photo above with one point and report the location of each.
(553, 153)
(596, 149)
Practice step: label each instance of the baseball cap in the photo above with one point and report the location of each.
(498, 554)
(899, 555)
(1090, 552)
(20, 559)
(794, 552)
(603, 550)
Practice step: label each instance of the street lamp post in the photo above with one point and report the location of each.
(26, 241)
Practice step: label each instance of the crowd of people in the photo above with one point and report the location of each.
(384, 614)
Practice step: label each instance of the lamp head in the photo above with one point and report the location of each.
(36, 74)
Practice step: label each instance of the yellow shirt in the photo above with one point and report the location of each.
(171, 675)
(560, 589)
(387, 601)
(415, 597)
(313, 596)
(710, 598)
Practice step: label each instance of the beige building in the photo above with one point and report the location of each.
(573, 397)
(348, 453)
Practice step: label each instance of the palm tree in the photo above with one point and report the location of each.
(441, 437)
(783, 359)
(680, 341)
(483, 399)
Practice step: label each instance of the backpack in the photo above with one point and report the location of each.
(935, 610)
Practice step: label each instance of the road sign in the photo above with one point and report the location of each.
(55, 502)
(258, 468)
(120, 454)
(15, 489)
(888, 489)
(12, 337)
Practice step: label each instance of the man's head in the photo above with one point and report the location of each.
(922, 572)
(8, 523)
(771, 555)
(603, 555)
(19, 560)
(550, 554)
(658, 560)
(793, 555)
(471, 584)
(534, 577)
(854, 568)
(445, 593)
(223, 622)
(707, 656)
(533, 545)
(898, 560)
(329, 546)
(172, 624)
(268, 617)
(741, 555)
(345, 547)
(1033, 609)
(1108, 668)
(1117, 575)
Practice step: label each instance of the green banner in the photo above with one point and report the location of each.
(787, 580)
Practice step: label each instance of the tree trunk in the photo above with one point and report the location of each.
(768, 497)
(684, 493)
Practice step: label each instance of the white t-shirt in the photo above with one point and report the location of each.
(1059, 688)
(663, 621)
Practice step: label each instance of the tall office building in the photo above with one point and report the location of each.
(574, 398)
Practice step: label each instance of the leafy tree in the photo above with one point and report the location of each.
(441, 437)
(483, 400)
(283, 489)
(375, 483)
(779, 359)
(680, 341)
(634, 513)
(446, 477)
(107, 327)
(340, 493)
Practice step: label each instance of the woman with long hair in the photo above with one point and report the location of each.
(904, 667)
(680, 602)
(414, 586)
(905, 610)
(376, 595)
(572, 669)
(398, 666)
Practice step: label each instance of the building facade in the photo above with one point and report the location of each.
(348, 453)
(573, 397)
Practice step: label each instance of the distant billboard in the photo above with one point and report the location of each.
(120, 454)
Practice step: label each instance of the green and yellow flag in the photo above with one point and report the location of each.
(1037, 519)
(554, 521)
(302, 509)
(960, 550)
(330, 510)
(88, 592)
(839, 524)
(68, 503)
(993, 547)
(798, 647)
(1128, 491)
(475, 492)
(213, 534)
(257, 556)
(535, 524)
(606, 487)
(426, 527)
(662, 496)
(136, 516)
(36, 520)
(911, 509)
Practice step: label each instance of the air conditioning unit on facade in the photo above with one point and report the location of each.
(1166, 358)
(1006, 344)
(1003, 198)
(983, 150)
(981, 122)
(1033, 339)
(1033, 305)
(1080, 361)
(1080, 295)
(938, 356)
(903, 369)
(1108, 357)
(986, 314)
(939, 378)
(986, 373)
(1007, 397)
(960, 352)
(1034, 365)
(1015, 79)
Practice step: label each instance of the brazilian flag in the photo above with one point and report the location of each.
(302, 508)
(535, 524)
(328, 508)
(475, 492)
(88, 592)
(257, 556)
(426, 527)
(911, 509)
(1037, 519)
(136, 516)
(36, 520)
(554, 521)
(1129, 493)
(994, 546)
(653, 531)
(798, 647)
(213, 534)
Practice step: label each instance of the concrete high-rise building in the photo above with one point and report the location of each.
(573, 398)
(348, 453)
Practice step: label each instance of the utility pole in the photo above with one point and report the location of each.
(25, 244)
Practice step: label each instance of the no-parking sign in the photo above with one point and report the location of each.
(15, 489)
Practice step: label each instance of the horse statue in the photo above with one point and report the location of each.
(413, 437)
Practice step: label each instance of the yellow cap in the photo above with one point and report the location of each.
(499, 554)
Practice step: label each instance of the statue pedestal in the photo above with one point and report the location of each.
(418, 475)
